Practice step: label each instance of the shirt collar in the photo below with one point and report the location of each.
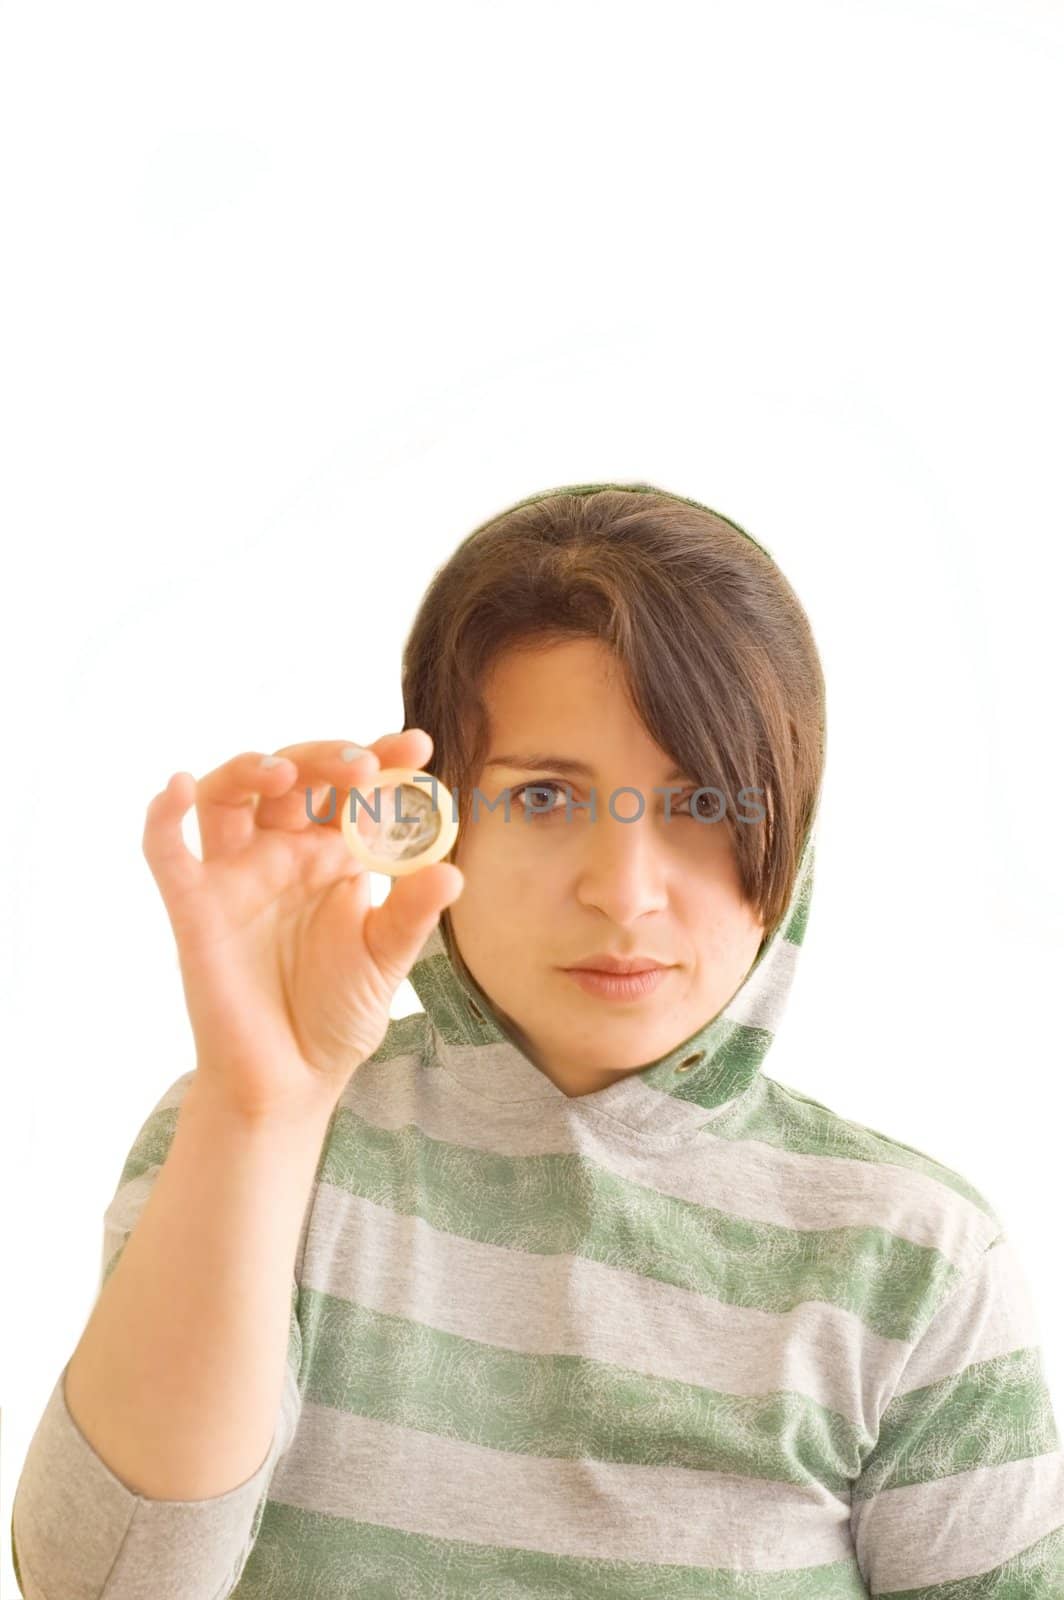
(674, 1095)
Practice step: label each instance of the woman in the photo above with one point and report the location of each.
(583, 1302)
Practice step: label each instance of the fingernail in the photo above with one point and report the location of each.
(351, 752)
(271, 761)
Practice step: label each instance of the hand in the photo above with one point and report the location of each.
(288, 970)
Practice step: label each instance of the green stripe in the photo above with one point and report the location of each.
(1036, 1573)
(776, 1115)
(794, 932)
(563, 1407)
(151, 1146)
(405, 1036)
(989, 1413)
(738, 1051)
(546, 1205)
(305, 1555)
(444, 1000)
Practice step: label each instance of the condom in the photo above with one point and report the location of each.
(399, 826)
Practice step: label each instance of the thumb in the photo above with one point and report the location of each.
(395, 931)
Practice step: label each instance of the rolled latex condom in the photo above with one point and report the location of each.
(398, 825)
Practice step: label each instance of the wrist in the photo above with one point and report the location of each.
(295, 1120)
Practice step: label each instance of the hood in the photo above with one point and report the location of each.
(674, 1095)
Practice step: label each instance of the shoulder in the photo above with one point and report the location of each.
(790, 1120)
(868, 1177)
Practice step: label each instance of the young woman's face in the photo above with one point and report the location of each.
(544, 893)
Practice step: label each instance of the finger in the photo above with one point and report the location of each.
(226, 799)
(329, 770)
(395, 931)
(174, 867)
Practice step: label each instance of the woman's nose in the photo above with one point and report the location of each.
(622, 870)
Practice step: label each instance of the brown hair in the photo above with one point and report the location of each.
(720, 659)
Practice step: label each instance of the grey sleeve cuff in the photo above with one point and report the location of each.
(78, 1532)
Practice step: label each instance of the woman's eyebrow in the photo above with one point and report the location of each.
(532, 760)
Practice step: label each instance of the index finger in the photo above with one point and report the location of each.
(328, 764)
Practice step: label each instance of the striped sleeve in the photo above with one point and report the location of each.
(77, 1530)
(962, 1496)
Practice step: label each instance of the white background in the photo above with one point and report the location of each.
(293, 297)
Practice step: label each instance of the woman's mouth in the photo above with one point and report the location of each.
(618, 986)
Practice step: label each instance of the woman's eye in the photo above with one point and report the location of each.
(537, 805)
(693, 805)
(706, 805)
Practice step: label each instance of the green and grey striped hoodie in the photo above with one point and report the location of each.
(694, 1334)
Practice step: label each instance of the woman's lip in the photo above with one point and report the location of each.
(616, 985)
(650, 966)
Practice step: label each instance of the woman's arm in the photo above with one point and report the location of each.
(152, 1460)
(965, 1485)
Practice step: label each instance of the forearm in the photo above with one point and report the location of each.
(176, 1381)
